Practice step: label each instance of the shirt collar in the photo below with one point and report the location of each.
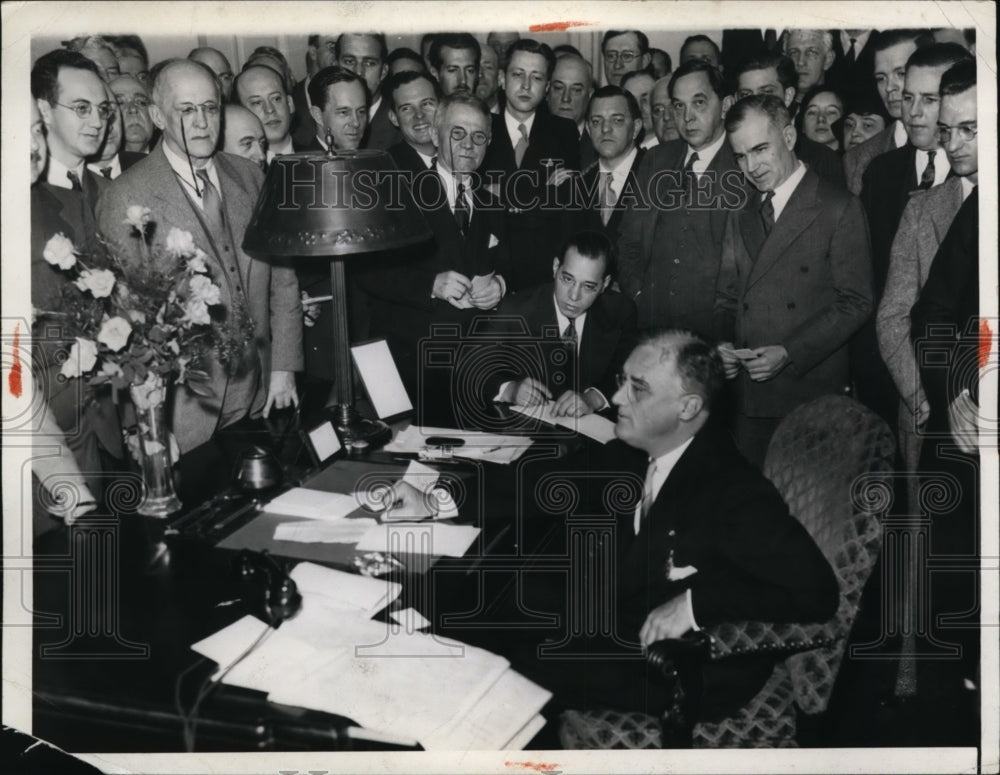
(424, 158)
(56, 174)
(650, 141)
(784, 192)
(665, 464)
(279, 150)
(512, 124)
(705, 155)
(450, 184)
(942, 166)
(623, 166)
(899, 137)
(967, 187)
(114, 162)
(373, 108)
(562, 321)
(183, 170)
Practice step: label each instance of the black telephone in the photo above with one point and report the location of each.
(281, 594)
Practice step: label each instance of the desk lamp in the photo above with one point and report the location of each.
(335, 207)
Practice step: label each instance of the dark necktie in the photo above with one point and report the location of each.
(852, 53)
(212, 203)
(767, 212)
(927, 176)
(434, 163)
(74, 180)
(462, 215)
(647, 496)
(690, 177)
(106, 172)
(569, 334)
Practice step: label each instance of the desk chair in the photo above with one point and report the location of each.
(830, 459)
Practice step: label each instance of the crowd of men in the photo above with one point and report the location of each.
(797, 210)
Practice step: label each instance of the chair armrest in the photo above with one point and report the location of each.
(666, 654)
(738, 638)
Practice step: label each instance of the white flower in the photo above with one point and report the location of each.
(82, 358)
(98, 281)
(137, 217)
(196, 312)
(180, 243)
(114, 333)
(60, 252)
(204, 289)
(148, 394)
(197, 262)
(110, 369)
(136, 316)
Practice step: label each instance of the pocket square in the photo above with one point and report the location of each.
(676, 574)
(494, 241)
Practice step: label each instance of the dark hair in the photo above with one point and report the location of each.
(767, 104)
(697, 361)
(271, 51)
(404, 53)
(156, 73)
(617, 91)
(133, 42)
(329, 76)
(396, 80)
(247, 68)
(45, 72)
(666, 57)
(379, 38)
(636, 74)
(532, 46)
(819, 88)
(958, 78)
(460, 98)
(640, 37)
(594, 245)
(937, 55)
(456, 40)
(701, 39)
(865, 102)
(889, 38)
(566, 48)
(765, 60)
(715, 78)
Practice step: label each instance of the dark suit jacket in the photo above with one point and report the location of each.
(272, 292)
(588, 156)
(534, 230)
(670, 253)
(608, 337)
(738, 45)
(809, 289)
(825, 162)
(303, 126)
(78, 210)
(752, 560)
(857, 159)
(406, 158)
(584, 212)
(847, 78)
(381, 134)
(400, 286)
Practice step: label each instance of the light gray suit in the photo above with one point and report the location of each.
(271, 291)
(857, 159)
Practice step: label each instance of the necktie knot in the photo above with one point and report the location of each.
(927, 177)
(74, 180)
(462, 214)
(106, 172)
(434, 162)
(569, 333)
(689, 167)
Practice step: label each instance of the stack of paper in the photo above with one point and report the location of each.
(592, 425)
(490, 447)
(433, 540)
(343, 591)
(312, 504)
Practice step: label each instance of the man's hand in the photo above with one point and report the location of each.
(281, 393)
(923, 414)
(451, 286)
(730, 362)
(404, 500)
(769, 362)
(571, 404)
(489, 296)
(528, 392)
(670, 620)
(963, 415)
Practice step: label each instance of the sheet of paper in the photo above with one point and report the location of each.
(593, 426)
(341, 590)
(315, 531)
(313, 504)
(743, 353)
(525, 734)
(228, 643)
(423, 538)
(411, 617)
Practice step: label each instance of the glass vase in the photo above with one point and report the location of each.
(159, 497)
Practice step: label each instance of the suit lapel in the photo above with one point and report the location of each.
(174, 206)
(800, 211)
(596, 333)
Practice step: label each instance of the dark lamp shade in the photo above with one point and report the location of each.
(315, 204)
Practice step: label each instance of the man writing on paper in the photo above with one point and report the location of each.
(597, 326)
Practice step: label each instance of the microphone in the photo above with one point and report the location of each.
(187, 155)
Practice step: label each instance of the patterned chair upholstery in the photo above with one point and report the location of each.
(830, 460)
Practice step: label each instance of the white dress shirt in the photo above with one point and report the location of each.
(115, 163)
(941, 165)
(967, 188)
(373, 108)
(784, 192)
(899, 136)
(56, 173)
(451, 189)
(619, 174)
(649, 141)
(183, 170)
(512, 124)
(705, 155)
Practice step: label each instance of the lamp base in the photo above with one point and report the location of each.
(352, 427)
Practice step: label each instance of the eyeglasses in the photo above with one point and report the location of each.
(458, 134)
(965, 132)
(210, 109)
(626, 57)
(140, 102)
(83, 109)
(634, 392)
(587, 288)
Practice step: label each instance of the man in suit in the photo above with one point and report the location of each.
(189, 186)
(886, 188)
(891, 50)
(811, 51)
(796, 276)
(454, 59)
(670, 246)
(488, 82)
(701, 47)
(640, 85)
(623, 51)
(461, 271)
(217, 62)
(600, 326)
(110, 161)
(569, 94)
(365, 55)
(775, 74)
(598, 204)
(339, 109)
(925, 221)
(413, 101)
(853, 67)
(321, 51)
(529, 150)
(738, 45)
(711, 542)
(133, 100)
(244, 135)
(662, 111)
(261, 90)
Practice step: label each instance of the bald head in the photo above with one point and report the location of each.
(216, 61)
(244, 134)
(262, 90)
